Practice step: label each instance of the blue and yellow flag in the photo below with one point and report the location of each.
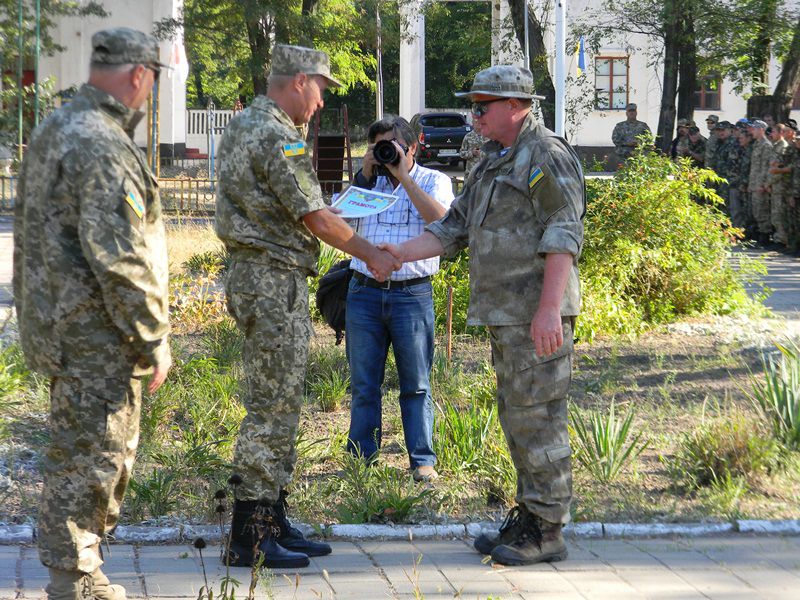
(580, 57)
(295, 149)
(535, 177)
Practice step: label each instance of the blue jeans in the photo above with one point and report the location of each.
(376, 319)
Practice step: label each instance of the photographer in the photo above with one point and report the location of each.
(398, 312)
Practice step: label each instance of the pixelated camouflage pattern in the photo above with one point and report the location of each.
(270, 306)
(263, 193)
(472, 141)
(697, 150)
(291, 60)
(682, 147)
(505, 81)
(532, 406)
(122, 45)
(94, 429)
(710, 150)
(90, 275)
(510, 227)
(781, 189)
(759, 171)
(625, 133)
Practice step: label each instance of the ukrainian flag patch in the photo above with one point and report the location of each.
(535, 178)
(295, 149)
(132, 198)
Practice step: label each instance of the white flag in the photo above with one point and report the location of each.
(178, 62)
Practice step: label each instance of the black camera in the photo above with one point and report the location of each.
(386, 153)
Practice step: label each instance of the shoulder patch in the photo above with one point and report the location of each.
(295, 149)
(132, 198)
(535, 177)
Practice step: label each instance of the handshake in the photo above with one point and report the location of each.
(385, 259)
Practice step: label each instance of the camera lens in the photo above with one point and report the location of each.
(385, 152)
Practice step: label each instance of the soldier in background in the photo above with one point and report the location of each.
(711, 142)
(722, 157)
(738, 173)
(680, 145)
(471, 150)
(269, 210)
(793, 203)
(626, 132)
(769, 120)
(757, 186)
(90, 288)
(696, 147)
(781, 182)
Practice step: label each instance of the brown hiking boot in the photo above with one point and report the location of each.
(103, 589)
(69, 585)
(537, 541)
(509, 530)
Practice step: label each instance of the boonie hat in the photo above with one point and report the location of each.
(122, 45)
(504, 81)
(291, 60)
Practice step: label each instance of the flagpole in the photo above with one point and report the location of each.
(561, 38)
(527, 43)
(379, 74)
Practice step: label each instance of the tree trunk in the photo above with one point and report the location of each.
(687, 57)
(763, 47)
(542, 82)
(789, 80)
(258, 30)
(669, 87)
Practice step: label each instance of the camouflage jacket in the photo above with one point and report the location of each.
(90, 257)
(626, 133)
(472, 141)
(794, 190)
(726, 157)
(746, 157)
(516, 208)
(697, 151)
(710, 150)
(759, 164)
(266, 186)
(780, 158)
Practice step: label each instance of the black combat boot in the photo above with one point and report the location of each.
(290, 537)
(509, 530)
(537, 541)
(254, 532)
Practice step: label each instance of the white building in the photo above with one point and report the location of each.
(71, 67)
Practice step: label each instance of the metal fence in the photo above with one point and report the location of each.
(177, 195)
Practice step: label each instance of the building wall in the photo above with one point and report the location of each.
(71, 67)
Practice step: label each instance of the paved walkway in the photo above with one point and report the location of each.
(714, 567)
(6, 260)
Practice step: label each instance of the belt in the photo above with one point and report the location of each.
(388, 284)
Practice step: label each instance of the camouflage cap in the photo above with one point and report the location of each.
(631, 106)
(122, 45)
(291, 60)
(504, 81)
(725, 125)
(713, 118)
(685, 123)
(758, 123)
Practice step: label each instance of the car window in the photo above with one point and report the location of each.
(443, 121)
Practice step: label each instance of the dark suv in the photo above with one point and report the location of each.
(440, 136)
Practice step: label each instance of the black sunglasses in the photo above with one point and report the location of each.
(156, 71)
(481, 108)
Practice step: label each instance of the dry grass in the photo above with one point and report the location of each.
(187, 238)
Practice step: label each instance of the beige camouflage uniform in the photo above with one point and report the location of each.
(515, 209)
(759, 170)
(780, 187)
(267, 184)
(90, 287)
(472, 141)
(625, 133)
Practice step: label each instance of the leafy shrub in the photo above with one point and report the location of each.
(455, 273)
(657, 249)
(209, 263)
(329, 387)
(720, 452)
(14, 375)
(223, 342)
(778, 397)
(602, 442)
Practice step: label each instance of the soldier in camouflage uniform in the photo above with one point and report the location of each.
(759, 167)
(696, 148)
(781, 182)
(737, 174)
(793, 202)
(711, 143)
(680, 144)
(521, 215)
(722, 159)
(626, 132)
(471, 150)
(90, 288)
(269, 207)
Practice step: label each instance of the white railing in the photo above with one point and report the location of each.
(197, 127)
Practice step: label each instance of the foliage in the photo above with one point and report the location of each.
(657, 248)
(726, 449)
(375, 493)
(14, 375)
(209, 263)
(223, 342)
(604, 443)
(452, 273)
(777, 397)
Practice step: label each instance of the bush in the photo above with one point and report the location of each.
(730, 448)
(657, 248)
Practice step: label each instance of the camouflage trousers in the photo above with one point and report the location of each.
(793, 222)
(276, 325)
(777, 210)
(738, 208)
(532, 405)
(759, 202)
(94, 429)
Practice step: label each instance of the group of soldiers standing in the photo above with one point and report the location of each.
(760, 161)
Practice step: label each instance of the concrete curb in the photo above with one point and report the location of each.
(146, 535)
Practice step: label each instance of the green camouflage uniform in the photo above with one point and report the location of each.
(793, 208)
(737, 179)
(759, 170)
(725, 158)
(90, 287)
(698, 148)
(515, 209)
(781, 186)
(710, 150)
(266, 186)
(472, 141)
(625, 133)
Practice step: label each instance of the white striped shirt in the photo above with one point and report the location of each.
(402, 221)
